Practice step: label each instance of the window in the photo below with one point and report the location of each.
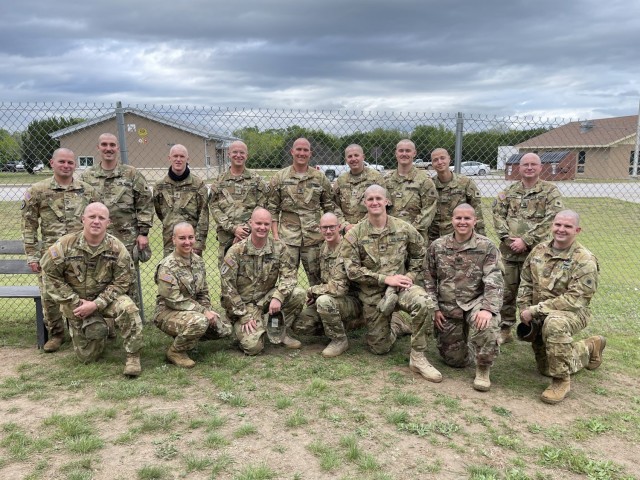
(85, 162)
(207, 161)
(582, 160)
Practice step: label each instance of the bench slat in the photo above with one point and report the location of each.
(26, 291)
(11, 247)
(14, 267)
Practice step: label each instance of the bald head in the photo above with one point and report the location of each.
(464, 207)
(375, 190)
(95, 221)
(570, 214)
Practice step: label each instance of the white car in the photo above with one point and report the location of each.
(39, 167)
(20, 167)
(473, 168)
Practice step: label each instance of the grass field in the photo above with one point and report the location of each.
(294, 415)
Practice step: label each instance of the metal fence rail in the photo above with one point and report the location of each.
(591, 161)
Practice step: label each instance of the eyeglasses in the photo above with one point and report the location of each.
(329, 228)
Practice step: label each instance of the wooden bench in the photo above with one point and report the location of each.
(17, 267)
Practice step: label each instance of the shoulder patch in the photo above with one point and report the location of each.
(54, 251)
(502, 196)
(165, 277)
(351, 238)
(230, 262)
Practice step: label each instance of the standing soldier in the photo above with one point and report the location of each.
(234, 196)
(453, 190)
(559, 279)
(182, 197)
(464, 279)
(299, 196)
(350, 186)
(125, 192)
(522, 216)
(87, 274)
(383, 251)
(183, 306)
(411, 192)
(55, 206)
(259, 276)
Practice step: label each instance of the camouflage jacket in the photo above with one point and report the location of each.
(125, 192)
(458, 190)
(413, 198)
(56, 209)
(565, 280)
(182, 201)
(526, 213)
(233, 199)
(182, 284)
(73, 270)
(461, 276)
(333, 275)
(250, 275)
(370, 255)
(349, 193)
(297, 201)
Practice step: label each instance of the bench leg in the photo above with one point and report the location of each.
(41, 330)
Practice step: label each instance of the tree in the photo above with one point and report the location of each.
(427, 138)
(9, 147)
(37, 144)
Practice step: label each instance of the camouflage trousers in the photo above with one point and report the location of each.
(556, 353)
(253, 343)
(512, 271)
(380, 338)
(310, 258)
(460, 342)
(187, 327)
(225, 240)
(51, 310)
(126, 317)
(330, 316)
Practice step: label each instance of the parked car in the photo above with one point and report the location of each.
(20, 167)
(473, 168)
(38, 168)
(424, 164)
(8, 167)
(334, 171)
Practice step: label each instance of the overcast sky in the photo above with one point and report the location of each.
(551, 58)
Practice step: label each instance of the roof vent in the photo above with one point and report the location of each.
(586, 126)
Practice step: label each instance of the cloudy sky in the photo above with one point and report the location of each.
(577, 59)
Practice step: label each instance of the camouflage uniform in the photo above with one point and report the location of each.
(336, 309)
(74, 270)
(349, 193)
(297, 201)
(183, 297)
(182, 201)
(458, 190)
(413, 198)
(463, 279)
(56, 210)
(250, 278)
(125, 193)
(557, 287)
(526, 213)
(370, 255)
(233, 199)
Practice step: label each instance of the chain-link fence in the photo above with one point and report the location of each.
(593, 162)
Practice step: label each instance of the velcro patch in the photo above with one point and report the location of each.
(230, 261)
(54, 251)
(351, 238)
(165, 277)
(502, 196)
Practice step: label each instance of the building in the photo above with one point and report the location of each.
(603, 148)
(148, 139)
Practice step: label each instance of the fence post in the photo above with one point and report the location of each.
(122, 140)
(634, 171)
(459, 131)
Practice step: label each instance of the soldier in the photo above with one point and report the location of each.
(522, 216)
(298, 198)
(259, 276)
(463, 277)
(183, 306)
(559, 279)
(350, 186)
(411, 192)
(453, 189)
(383, 251)
(88, 273)
(54, 206)
(182, 197)
(234, 196)
(332, 306)
(125, 192)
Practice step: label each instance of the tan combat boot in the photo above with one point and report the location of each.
(482, 382)
(555, 393)
(418, 363)
(179, 359)
(53, 344)
(399, 326)
(336, 347)
(505, 336)
(292, 343)
(132, 367)
(596, 345)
